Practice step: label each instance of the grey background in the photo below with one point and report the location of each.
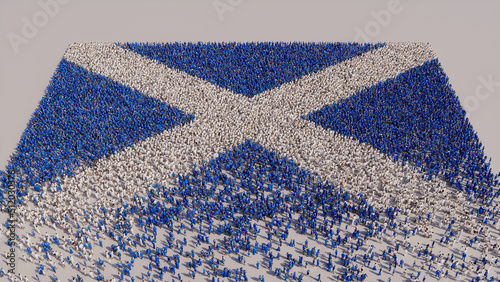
(464, 34)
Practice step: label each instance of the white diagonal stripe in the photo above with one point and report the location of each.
(191, 94)
(346, 78)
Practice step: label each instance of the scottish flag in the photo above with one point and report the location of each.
(268, 160)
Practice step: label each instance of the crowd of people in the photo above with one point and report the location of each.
(271, 65)
(68, 130)
(416, 117)
(250, 212)
(251, 201)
